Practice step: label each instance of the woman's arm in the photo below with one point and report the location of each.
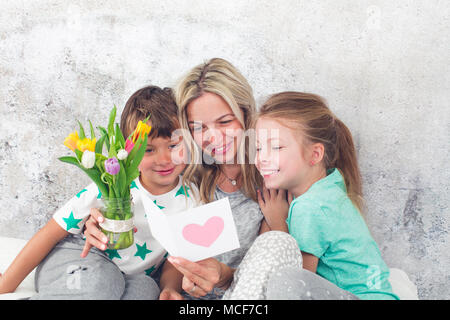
(201, 277)
(170, 283)
(31, 255)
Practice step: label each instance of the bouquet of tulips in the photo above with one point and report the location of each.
(112, 173)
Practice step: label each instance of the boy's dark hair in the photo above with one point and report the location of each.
(154, 101)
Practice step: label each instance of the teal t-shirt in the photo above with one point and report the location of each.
(325, 223)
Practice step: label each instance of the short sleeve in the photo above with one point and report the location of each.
(309, 227)
(72, 216)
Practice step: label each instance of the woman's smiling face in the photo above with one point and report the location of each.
(215, 127)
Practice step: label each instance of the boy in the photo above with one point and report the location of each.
(64, 273)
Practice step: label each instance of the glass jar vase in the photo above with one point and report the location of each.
(119, 223)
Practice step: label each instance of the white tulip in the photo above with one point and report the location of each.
(88, 159)
(122, 154)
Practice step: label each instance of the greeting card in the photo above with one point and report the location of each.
(197, 233)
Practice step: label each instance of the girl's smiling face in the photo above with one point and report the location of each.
(279, 156)
(214, 127)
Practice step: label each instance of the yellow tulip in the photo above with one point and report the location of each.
(86, 144)
(142, 129)
(72, 140)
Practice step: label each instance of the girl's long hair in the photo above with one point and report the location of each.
(309, 115)
(220, 77)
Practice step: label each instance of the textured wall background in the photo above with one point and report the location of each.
(382, 65)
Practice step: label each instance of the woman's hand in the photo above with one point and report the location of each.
(94, 236)
(201, 277)
(274, 205)
(170, 294)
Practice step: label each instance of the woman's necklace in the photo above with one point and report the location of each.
(232, 181)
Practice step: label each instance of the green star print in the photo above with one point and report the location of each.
(113, 254)
(79, 193)
(182, 191)
(148, 272)
(133, 185)
(161, 207)
(142, 251)
(71, 222)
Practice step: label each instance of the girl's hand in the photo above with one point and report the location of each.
(94, 236)
(274, 205)
(170, 294)
(200, 278)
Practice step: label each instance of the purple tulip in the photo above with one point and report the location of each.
(112, 166)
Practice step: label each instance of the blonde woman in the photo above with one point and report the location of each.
(216, 107)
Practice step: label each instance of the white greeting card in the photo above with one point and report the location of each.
(197, 233)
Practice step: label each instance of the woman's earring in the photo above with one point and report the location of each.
(311, 162)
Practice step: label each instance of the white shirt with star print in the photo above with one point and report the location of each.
(146, 254)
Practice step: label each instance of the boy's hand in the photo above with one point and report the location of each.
(2, 290)
(94, 236)
(170, 294)
(274, 205)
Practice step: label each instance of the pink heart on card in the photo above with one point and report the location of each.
(204, 235)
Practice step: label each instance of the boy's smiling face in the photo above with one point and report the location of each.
(163, 162)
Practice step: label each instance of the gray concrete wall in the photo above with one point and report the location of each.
(382, 65)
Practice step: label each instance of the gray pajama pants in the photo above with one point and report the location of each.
(64, 275)
(272, 270)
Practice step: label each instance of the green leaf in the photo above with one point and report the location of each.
(99, 163)
(146, 119)
(132, 170)
(71, 160)
(131, 175)
(94, 174)
(79, 154)
(112, 118)
(112, 151)
(82, 135)
(133, 151)
(122, 179)
(99, 144)
(92, 130)
(105, 133)
(102, 130)
(119, 137)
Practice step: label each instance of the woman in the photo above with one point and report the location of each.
(216, 107)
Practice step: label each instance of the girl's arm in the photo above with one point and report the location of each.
(310, 261)
(275, 207)
(31, 255)
(264, 227)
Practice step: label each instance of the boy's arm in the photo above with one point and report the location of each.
(31, 255)
(170, 282)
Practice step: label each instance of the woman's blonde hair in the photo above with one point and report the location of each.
(220, 77)
(309, 115)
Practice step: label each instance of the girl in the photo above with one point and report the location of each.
(304, 148)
